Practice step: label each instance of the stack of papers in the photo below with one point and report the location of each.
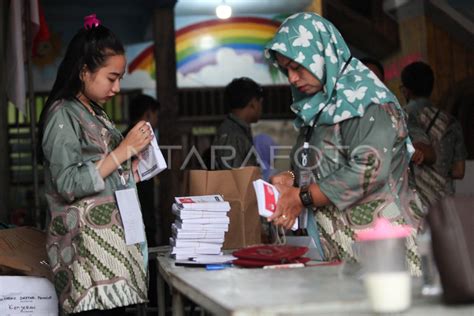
(200, 226)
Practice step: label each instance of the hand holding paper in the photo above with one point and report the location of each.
(151, 160)
(267, 198)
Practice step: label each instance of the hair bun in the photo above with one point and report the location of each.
(91, 21)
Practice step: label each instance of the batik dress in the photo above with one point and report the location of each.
(93, 267)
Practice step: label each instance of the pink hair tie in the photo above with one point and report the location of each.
(91, 21)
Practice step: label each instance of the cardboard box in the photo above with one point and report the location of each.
(23, 252)
(27, 296)
(236, 188)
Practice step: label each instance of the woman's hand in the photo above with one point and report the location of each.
(288, 208)
(284, 178)
(137, 139)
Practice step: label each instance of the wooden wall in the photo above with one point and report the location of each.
(452, 61)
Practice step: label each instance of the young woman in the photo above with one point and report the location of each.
(86, 160)
(351, 157)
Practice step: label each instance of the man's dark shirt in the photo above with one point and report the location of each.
(234, 133)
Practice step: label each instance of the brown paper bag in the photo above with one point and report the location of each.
(236, 187)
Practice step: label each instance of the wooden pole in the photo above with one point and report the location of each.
(5, 158)
(166, 92)
(36, 212)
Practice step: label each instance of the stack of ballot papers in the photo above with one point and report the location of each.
(200, 225)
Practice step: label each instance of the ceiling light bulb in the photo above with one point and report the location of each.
(223, 11)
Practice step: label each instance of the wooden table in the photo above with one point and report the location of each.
(300, 291)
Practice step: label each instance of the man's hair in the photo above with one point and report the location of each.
(240, 91)
(418, 77)
(375, 62)
(139, 105)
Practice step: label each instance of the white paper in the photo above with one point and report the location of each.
(129, 208)
(20, 295)
(192, 235)
(202, 206)
(186, 214)
(208, 259)
(267, 198)
(201, 227)
(212, 220)
(151, 160)
(199, 199)
(187, 256)
(196, 242)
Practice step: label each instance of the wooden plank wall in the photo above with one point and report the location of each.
(451, 61)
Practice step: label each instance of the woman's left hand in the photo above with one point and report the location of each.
(288, 208)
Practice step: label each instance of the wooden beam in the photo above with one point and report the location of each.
(5, 158)
(363, 31)
(167, 92)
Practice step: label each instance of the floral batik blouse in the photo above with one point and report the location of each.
(361, 165)
(92, 265)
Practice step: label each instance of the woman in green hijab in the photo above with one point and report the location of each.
(350, 162)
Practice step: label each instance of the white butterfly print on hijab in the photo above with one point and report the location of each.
(303, 37)
(331, 108)
(376, 79)
(300, 58)
(360, 66)
(284, 29)
(381, 94)
(306, 106)
(330, 53)
(320, 46)
(319, 26)
(353, 95)
(333, 37)
(279, 46)
(344, 115)
(317, 66)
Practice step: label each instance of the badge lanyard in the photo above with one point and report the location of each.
(94, 107)
(309, 131)
(306, 218)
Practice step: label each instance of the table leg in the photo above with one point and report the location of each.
(178, 308)
(160, 292)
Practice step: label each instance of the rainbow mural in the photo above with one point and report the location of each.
(197, 44)
(144, 61)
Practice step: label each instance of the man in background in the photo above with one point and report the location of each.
(443, 130)
(233, 144)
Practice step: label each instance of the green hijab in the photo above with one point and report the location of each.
(316, 44)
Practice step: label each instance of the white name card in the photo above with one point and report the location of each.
(27, 296)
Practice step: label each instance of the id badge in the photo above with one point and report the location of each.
(305, 178)
(129, 208)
